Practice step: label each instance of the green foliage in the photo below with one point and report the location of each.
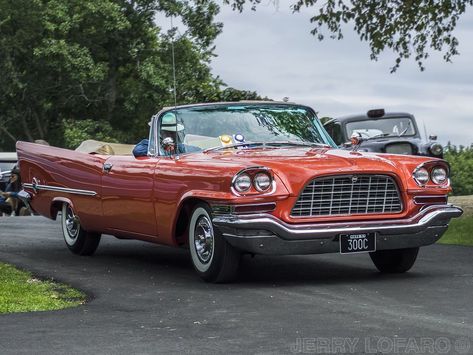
(231, 94)
(460, 230)
(76, 132)
(461, 163)
(408, 28)
(20, 292)
(71, 68)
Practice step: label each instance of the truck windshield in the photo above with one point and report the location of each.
(211, 126)
(384, 127)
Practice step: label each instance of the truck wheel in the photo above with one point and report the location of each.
(394, 261)
(78, 240)
(213, 258)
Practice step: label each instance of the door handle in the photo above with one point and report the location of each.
(107, 167)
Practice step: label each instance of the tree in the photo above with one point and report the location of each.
(461, 164)
(407, 27)
(104, 63)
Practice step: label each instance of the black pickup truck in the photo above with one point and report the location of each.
(393, 132)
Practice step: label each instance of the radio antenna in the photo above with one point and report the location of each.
(425, 130)
(173, 66)
(174, 86)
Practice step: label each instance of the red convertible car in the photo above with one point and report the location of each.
(222, 179)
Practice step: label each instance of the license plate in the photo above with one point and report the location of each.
(357, 243)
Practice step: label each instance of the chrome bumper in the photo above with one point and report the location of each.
(266, 234)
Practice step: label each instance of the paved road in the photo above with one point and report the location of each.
(147, 299)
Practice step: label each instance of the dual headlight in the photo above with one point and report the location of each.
(261, 181)
(437, 174)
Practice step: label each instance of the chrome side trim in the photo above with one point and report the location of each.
(37, 187)
(437, 215)
(418, 199)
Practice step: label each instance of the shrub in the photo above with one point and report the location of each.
(461, 162)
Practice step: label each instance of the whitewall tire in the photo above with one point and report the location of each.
(77, 239)
(212, 257)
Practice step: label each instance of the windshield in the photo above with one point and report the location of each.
(384, 127)
(211, 126)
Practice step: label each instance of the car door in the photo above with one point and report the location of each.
(128, 199)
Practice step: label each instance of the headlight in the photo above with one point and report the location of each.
(262, 182)
(439, 176)
(421, 176)
(242, 183)
(436, 149)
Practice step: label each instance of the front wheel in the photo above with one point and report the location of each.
(213, 258)
(78, 240)
(394, 261)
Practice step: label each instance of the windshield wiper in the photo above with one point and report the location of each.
(407, 128)
(381, 135)
(268, 144)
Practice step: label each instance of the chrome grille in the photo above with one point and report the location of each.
(347, 195)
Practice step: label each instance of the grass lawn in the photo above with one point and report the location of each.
(20, 292)
(460, 231)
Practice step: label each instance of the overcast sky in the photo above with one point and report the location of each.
(272, 52)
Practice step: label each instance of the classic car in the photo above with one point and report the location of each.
(222, 179)
(7, 162)
(393, 132)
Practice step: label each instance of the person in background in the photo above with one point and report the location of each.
(8, 198)
(169, 128)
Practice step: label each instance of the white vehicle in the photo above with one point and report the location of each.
(7, 162)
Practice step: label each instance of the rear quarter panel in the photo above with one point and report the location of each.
(63, 168)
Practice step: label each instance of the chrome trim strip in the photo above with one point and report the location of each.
(420, 197)
(432, 216)
(38, 187)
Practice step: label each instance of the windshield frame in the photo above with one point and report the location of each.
(155, 149)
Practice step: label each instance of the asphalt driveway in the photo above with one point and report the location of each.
(147, 299)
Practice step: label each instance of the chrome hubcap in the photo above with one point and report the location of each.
(204, 239)
(72, 223)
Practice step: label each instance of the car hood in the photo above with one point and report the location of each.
(297, 165)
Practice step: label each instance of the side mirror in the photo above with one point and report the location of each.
(433, 137)
(168, 145)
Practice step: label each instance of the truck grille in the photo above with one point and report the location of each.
(400, 148)
(347, 195)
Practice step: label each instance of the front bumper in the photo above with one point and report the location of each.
(266, 234)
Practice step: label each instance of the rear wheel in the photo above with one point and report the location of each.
(394, 261)
(213, 258)
(78, 240)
